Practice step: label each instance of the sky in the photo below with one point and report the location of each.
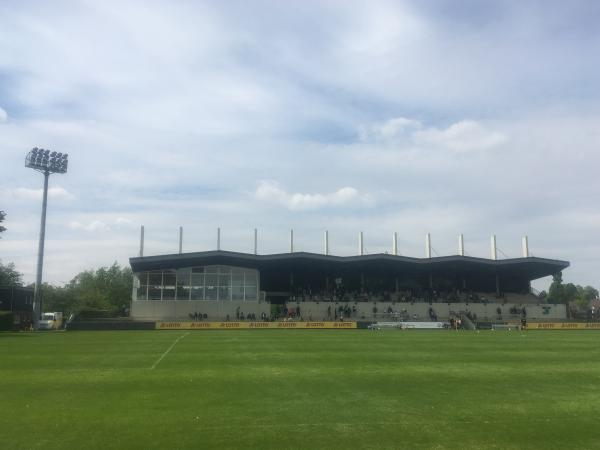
(415, 117)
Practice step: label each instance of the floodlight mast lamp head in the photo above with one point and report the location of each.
(47, 163)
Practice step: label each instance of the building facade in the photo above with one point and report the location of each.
(221, 285)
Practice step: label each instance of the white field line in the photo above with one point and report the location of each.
(168, 350)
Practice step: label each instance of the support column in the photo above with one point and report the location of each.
(180, 240)
(428, 245)
(525, 246)
(395, 244)
(360, 244)
(291, 241)
(218, 238)
(38, 299)
(461, 245)
(142, 241)
(255, 241)
(494, 252)
(326, 242)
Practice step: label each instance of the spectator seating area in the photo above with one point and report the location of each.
(423, 311)
(369, 307)
(408, 296)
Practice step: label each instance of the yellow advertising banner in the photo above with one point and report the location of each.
(563, 326)
(255, 325)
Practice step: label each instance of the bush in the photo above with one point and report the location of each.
(6, 321)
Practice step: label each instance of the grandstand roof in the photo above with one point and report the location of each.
(530, 267)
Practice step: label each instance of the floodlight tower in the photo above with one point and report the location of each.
(46, 162)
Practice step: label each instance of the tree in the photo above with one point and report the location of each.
(58, 299)
(561, 293)
(585, 295)
(2, 217)
(9, 276)
(556, 290)
(570, 293)
(104, 289)
(590, 293)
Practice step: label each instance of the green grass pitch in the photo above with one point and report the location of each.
(312, 389)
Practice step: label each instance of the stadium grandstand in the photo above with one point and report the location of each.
(223, 285)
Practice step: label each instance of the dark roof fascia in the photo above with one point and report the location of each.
(251, 258)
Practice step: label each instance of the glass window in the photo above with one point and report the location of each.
(183, 277)
(237, 292)
(211, 292)
(250, 293)
(224, 293)
(250, 278)
(211, 280)
(237, 278)
(168, 293)
(199, 283)
(155, 285)
(197, 279)
(183, 292)
(142, 292)
(169, 279)
(197, 293)
(224, 280)
(155, 278)
(143, 278)
(154, 292)
(183, 284)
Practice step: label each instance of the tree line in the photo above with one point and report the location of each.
(569, 293)
(103, 291)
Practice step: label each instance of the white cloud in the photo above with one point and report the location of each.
(3, 115)
(108, 224)
(93, 226)
(271, 191)
(57, 192)
(123, 221)
(388, 130)
(464, 136)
